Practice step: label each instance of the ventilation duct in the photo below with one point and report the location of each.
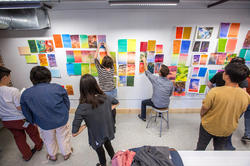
(143, 2)
(24, 19)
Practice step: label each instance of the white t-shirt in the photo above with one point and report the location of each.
(9, 100)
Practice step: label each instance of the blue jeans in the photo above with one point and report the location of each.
(247, 122)
(112, 93)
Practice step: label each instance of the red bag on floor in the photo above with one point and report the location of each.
(123, 158)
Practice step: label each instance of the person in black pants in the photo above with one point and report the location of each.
(95, 109)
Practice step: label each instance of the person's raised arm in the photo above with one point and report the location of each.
(97, 50)
(107, 49)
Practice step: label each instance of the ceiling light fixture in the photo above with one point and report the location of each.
(143, 2)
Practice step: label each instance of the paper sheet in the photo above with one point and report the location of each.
(211, 73)
(70, 56)
(77, 69)
(55, 73)
(202, 72)
(130, 69)
(194, 85)
(49, 46)
(85, 68)
(242, 53)
(159, 57)
(131, 58)
(203, 59)
(122, 70)
(52, 60)
(231, 45)
(196, 46)
(176, 46)
(187, 32)
(224, 27)
(92, 41)
(174, 60)
(58, 40)
(144, 46)
(151, 67)
(122, 57)
(24, 50)
(31, 59)
(179, 88)
(247, 57)
(222, 45)
(179, 31)
(122, 81)
(202, 89)
(151, 57)
(122, 45)
(75, 41)
(195, 72)
(185, 44)
(93, 70)
(246, 44)
(182, 73)
(157, 67)
(70, 69)
(131, 45)
(172, 72)
(182, 59)
(151, 45)
(204, 32)
(196, 59)
(66, 41)
(78, 55)
(234, 30)
(204, 46)
(130, 80)
(84, 41)
(212, 59)
(41, 46)
(32, 45)
(43, 60)
(159, 48)
(69, 89)
(221, 57)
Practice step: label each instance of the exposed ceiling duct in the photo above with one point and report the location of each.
(24, 19)
(24, 4)
(143, 2)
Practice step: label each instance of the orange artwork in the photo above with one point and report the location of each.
(176, 46)
(69, 89)
(151, 45)
(131, 58)
(130, 69)
(102, 55)
(187, 32)
(43, 60)
(24, 50)
(159, 48)
(179, 31)
(231, 45)
(85, 56)
(58, 41)
(203, 60)
(141, 68)
(75, 41)
(234, 30)
(78, 55)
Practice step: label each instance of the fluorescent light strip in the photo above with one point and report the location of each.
(143, 4)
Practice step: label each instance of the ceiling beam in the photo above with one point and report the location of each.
(217, 3)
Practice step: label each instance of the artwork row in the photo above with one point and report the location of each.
(229, 30)
(81, 69)
(45, 59)
(78, 41)
(194, 87)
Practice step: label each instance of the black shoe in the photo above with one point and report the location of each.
(33, 151)
(143, 119)
(245, 138)
(98, 164)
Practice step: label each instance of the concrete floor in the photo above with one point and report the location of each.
(131, 132)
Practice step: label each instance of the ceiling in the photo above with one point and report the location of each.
(184, 4)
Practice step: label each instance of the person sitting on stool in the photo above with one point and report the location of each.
(162, 90)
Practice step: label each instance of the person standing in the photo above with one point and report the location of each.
(13, 118)
(222, 108)
(162, 90)
(246, 137)
(95, 109)
(47, 105)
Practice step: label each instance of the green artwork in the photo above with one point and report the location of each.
(32, 45)
(222, 45)
(70, 59)
(122, 45)
(85, 68)
(113, 56)
(242, 53)
(182, 73)
(93, 70)
(77, 68)
(130, 80)
(202, 89)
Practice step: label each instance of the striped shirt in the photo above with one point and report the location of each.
(106, 78)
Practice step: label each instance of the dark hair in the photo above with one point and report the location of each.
(4, 72)
(164, 70)
(107, 62)
(237, 72)
(238, 60)
(90, 92)
(40, 74)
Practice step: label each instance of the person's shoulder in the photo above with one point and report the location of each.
(9, 90)
(55, 85)
(83, 108)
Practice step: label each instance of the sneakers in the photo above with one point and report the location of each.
(245, 139)
(143, 119)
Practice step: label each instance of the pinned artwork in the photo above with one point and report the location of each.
(85, 68)
(204, 32)
(151, 57)
(122, 70)
(141, 67)
(41, 46)
(144, 46)
(84, 41)
(204, 46)
(130, 80)
(246, 44)
(130, 69)
(24, 50)
(211, 73)
(66, 41)
(179, 88)
(179, 31)
(122, 81)
(195, 72)
(58, 40)
(172, 72)
(92, 41)
(221, 58)
(131, 45)
(176, 46)
(142, 56)
(159, 48)
(69, 89)
(182, 59)
(101, 39)
(151, 67)
(49, 46)
(52, 60)
(157, 67)
(75, 41)
(247, 56)
(151, 45)
(203, 59)
(212, 59)
(187, 32)
(32, 45)
(77, 69)
(182, 73)
(194, 85)
(196, 59)
(243, 53)
(202, 89)
(43, 60)
(185, 44)
(31, 59)
(196, 47)
(93, 70)
(231, 45)
(122, 45)
(234, 30)
(70, 69)
(131, 58)
(174, 60)
(159, 57)
(70, 56)
(55, 73)
(122, 57)
(229, 57)
(77, 56)
(224, 28)
(202, 72)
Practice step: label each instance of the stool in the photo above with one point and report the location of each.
(160, 111)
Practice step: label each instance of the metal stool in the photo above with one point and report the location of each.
(160, 111)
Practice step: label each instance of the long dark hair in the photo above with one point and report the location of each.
(90, 92)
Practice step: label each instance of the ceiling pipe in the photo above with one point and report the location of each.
(217, 3)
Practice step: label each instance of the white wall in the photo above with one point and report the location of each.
(141, 25)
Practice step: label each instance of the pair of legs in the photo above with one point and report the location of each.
(144, 105)
(247, 124)
(18, 130)
(101, 153)
(205, 137)
(58, 138)
(112, 93)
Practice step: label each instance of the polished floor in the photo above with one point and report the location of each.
(131, 132)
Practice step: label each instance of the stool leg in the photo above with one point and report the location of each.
(149, 119)
(156, 114)
(161, 126)
(167, 120)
